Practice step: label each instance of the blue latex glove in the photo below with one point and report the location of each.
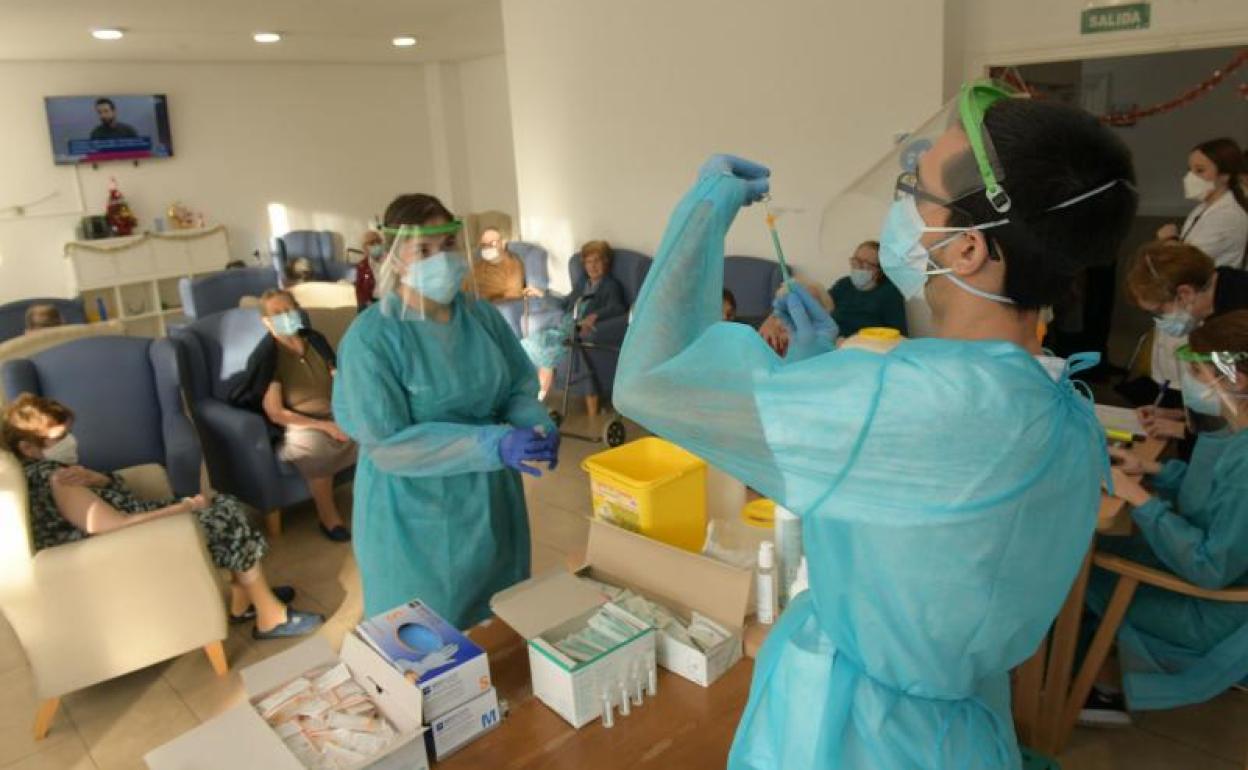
(757, 177)
(523, 445)
(552, 449)
(813, 330)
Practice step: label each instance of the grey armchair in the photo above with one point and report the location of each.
(238, 447)
(208, 294)
(530, 315)
(317, 246)
(753, 282)
(124, 393)
(13, 314)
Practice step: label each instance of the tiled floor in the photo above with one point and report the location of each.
(112, 725)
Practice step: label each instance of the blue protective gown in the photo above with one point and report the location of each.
(948, 493)
(437, 516)
(1176, 650)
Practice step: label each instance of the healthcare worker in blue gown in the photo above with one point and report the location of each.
(948, 489)
(1176, 650)
(442, 400)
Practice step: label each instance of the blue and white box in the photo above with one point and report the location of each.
(449, 668)
(462, 725)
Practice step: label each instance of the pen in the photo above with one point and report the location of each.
(1161, 394)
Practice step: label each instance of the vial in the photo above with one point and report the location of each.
(625, 707)
(652, 676)
(634, 677)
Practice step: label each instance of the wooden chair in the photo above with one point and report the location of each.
(1131, 574)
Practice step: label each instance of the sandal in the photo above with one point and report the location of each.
(297, 624)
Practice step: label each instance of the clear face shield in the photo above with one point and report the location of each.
(949, 157)
(425, 270)
(1215, 391)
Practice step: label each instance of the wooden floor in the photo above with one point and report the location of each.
(112, 725)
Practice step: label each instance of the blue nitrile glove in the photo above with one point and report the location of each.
(756, 176)
(812, 329)
(552, 449)
(523, 444)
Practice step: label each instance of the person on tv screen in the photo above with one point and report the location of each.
(110, 127)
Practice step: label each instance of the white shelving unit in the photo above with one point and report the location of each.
(136, 277)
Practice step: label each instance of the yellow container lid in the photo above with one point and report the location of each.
(760, 513)
(881, 333)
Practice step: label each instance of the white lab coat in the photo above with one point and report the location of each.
(1220, 229)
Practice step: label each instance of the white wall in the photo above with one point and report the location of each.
(491, 160)
(1160, 144)
(332, 143)
(1024, 31)
(615, 105)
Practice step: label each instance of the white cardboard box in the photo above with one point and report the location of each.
(447, 687)
(681, 581)
(240, 739)
(548, 607)
(460, 726)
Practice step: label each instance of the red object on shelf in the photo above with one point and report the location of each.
(121, 220)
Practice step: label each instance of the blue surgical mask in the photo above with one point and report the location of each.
(287, 324)
(437, 277)
(908, 263)
(375, 251)
(862, 279)
(1177, 324)
(1200, 397)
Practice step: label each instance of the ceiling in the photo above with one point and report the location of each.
(221, 30)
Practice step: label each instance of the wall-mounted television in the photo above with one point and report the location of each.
(91, 129)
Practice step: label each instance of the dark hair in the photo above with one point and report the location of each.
(272, 294)
(1161, 267)
(415, 209)
(1051, 153)
(730, 298)
(1228, 159)
(106, 100)
(1226, 333)
(874, 245)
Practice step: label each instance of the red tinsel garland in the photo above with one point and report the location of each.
(1131, 116)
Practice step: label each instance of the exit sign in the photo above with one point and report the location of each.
(1115, 18)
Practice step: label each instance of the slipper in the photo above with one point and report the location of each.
(284, 594)
(297, 624)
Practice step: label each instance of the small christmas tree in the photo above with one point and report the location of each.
(121, 220)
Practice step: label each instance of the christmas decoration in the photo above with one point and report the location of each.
(182, 218)
(1134, 114)
(121, 220)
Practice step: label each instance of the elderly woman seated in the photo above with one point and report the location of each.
(599, 298)
(69, 502)
(289, 379)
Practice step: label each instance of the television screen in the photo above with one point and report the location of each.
(89, 129)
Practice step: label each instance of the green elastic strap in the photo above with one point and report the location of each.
(973, 101)
(1225, 361)
(453, 226)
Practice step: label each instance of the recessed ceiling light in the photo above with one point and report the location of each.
(267, 37)
(107, 34)
(405, 41)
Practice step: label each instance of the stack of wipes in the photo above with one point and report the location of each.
(327, 720)
(700, 632)
(601, 633)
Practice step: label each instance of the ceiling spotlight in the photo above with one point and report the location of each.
(406, 41)
(107, 34)
(267, 37)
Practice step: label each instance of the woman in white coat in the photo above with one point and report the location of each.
(1218, 225)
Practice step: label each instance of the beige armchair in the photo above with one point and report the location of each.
(330, 307)
(480, 221)
(39, 340)
(107, 605)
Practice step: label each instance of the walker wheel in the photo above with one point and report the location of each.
(614, 434)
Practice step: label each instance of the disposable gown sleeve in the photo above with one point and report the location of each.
(1166, 483)
(1211, 558)
(788, 430)
(371, 405)
(522, 409)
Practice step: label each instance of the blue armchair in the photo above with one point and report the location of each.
(317, 246)
(212, 356)
(543, 312)
(13, 314)
(753, 282)
(208, 294)
(127, 408)
(629, 268)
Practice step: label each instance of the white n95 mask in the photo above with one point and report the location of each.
(64, 451)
